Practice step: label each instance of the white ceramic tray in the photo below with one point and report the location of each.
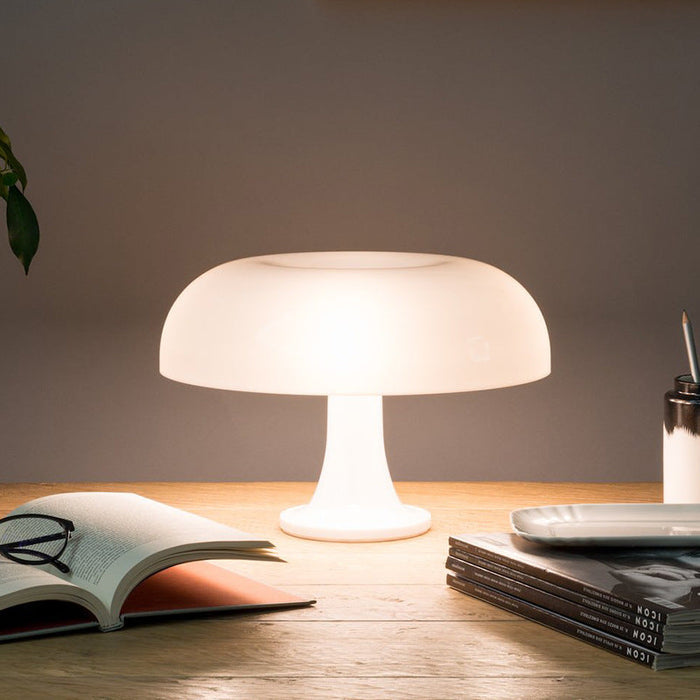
(628, 524)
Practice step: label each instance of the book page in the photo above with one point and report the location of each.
(115, 532)
(22, 584)
(16, 577)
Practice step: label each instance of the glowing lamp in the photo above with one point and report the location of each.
(354, 326)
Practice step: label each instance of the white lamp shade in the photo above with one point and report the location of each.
(355, 323)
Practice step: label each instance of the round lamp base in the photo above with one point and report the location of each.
(355, 523)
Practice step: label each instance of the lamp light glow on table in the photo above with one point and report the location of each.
(355, 326)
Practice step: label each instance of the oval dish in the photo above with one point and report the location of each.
(612, 525)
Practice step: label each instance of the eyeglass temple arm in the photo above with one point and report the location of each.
(44, 558)
(32, 540)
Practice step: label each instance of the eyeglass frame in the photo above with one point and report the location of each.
(7, 548)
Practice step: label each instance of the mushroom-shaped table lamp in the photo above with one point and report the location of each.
(355, 326)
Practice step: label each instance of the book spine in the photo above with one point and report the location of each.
(550, 601)
(642, 610)
(651, 626)
(606, 641)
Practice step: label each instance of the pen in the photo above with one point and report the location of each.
(690, 347)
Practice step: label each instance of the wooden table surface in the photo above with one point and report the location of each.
(385, 625)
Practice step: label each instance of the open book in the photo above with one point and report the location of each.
(130, 556)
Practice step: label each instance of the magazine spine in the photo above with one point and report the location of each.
(603, 640)
(643, 610)
(554, 603)
(652, 626)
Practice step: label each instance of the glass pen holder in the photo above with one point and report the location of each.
(681, 443)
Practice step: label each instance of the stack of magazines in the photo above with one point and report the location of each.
(643, 604)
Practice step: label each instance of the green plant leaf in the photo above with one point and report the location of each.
(4, 191)
(22, 227)
(17, 168)
(4, 138)
(9, 178)
(10, 158)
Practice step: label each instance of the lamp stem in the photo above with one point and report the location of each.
(355, 470)
(355, 500)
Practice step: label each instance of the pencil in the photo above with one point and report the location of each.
(690, 347)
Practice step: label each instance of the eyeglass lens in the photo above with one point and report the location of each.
(32, 539)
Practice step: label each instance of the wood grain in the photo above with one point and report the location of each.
(385, 625)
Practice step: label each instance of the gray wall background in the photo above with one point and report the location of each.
(557, 141)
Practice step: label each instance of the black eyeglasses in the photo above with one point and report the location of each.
(35, 539)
